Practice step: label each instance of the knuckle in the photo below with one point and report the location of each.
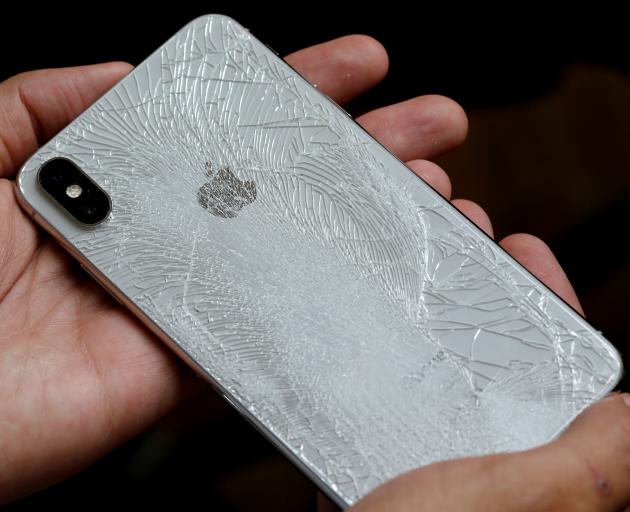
(532, 481)
(592, 485)
(601, 465)
(20, 78)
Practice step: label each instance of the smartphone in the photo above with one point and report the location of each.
(339, 303)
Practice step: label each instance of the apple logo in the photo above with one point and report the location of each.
(225, 194)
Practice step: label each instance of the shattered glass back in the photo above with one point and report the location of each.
(341, 304)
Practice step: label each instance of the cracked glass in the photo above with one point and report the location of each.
(341, 304)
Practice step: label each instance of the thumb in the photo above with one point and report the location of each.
(37, 104)
(587, 468)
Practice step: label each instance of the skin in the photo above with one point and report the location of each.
(79, 375)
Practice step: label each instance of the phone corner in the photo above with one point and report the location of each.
(616, 365)
(20, 183)
(25, 184)
(620, 370)
(207, 18)
(21, 198)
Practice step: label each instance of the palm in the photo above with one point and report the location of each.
(74, 366)
(78, 374)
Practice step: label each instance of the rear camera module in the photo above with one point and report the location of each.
(74, 191)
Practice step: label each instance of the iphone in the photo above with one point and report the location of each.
(340, 304)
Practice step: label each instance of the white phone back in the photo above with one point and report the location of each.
(340, 303)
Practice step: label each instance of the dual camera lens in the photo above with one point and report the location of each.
(74, 191)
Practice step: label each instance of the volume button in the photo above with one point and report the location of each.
(342, 109)
(236, 405)
(229, 401)
(338, 106)
(274, 51)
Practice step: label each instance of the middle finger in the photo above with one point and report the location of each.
(423, 127)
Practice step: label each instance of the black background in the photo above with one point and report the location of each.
(476, 57)
(483, 59)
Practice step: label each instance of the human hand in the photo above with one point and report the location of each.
(79, 375)
(586, 469)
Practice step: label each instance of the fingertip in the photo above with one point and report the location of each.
(535, 255)
(450, 117)
(116, 67)
(374, 52)
(422, 127)
(344, 67)
(359, 58)
(526, 248)
(433, 174)
(106, 72)
(475, 213)
(526, 239)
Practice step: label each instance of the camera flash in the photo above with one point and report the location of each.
(74, 191)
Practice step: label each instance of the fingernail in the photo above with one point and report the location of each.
(626, 399)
